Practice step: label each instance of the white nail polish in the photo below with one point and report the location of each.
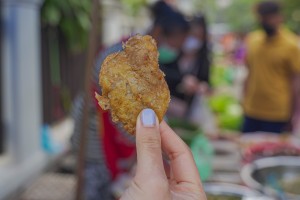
(148, 118)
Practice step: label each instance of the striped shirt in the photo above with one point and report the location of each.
(94, 151)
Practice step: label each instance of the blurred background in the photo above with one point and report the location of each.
(46, 50)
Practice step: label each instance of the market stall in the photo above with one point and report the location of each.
(233, 165)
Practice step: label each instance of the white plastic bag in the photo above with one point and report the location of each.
(201, 115)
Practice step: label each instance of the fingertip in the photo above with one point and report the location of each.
(148, 143)
(147, 127)
(166, 129)
(148, 118)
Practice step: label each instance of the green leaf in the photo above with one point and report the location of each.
(133, 6)
(52, 15)
(83, 20)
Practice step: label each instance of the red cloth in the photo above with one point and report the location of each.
(119, 150)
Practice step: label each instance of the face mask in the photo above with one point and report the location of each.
(192, 44)
(270, 31)
(167, 54)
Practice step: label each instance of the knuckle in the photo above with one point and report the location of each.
(151, 142)
(174, 155)
(186, 151)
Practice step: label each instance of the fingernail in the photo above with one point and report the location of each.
(148, 118)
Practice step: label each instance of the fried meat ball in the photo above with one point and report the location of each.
(131, 81)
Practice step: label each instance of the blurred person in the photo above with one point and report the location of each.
(169, 43)
(239, 50)
(227, 42)
(193, 65)
(154, 179)
(273, 61)
(196, 57)
(111, 151)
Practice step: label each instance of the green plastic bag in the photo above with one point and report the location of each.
(203, 154)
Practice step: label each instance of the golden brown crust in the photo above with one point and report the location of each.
(131, 81)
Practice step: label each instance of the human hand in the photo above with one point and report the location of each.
(152, 181)
(190, 84)
(203, 88)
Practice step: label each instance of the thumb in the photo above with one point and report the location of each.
(148, 144)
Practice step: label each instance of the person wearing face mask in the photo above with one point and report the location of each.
(194, 63)
(170, 31)
(273, 61)
(197, 48)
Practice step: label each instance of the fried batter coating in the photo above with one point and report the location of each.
(131, 81)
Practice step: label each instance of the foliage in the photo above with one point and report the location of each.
(240, 15)
(208, 8)
(292, 14)
(133, 6)
(72, 17)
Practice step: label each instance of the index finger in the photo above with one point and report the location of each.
(181, 159)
